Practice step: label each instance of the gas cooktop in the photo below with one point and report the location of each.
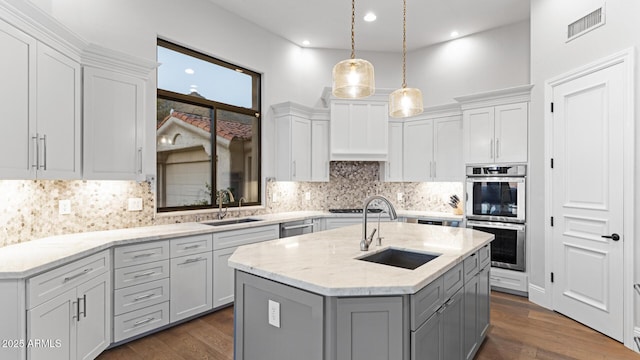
(353, 211)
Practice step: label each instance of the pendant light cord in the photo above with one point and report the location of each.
(404, 44)
(353, 31)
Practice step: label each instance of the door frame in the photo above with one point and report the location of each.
(626, 58)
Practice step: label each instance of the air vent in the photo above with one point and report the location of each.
(585, 24)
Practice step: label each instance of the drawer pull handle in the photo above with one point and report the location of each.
(144, 297)
(142, 255)
(84, 272)
(76, 304)
(148, 273)
(189, 261)
(191, 247)
(84, 306)
(637, 287)
(142, 322)
(637, 340)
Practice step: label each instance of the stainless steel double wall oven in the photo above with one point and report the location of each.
(496, 203)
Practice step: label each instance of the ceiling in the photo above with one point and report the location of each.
(327, 23)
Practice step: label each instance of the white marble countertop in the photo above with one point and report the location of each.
(327, 262)
(29, 258)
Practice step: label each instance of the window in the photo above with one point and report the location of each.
(207, 133)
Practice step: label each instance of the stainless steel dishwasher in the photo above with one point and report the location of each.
(294, 228)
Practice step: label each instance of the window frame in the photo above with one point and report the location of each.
(215, 106)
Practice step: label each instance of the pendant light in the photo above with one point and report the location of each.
(353, 78)
(406, 101)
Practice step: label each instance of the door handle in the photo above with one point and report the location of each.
(614, 237)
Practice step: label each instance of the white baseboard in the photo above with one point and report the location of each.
(538, 295)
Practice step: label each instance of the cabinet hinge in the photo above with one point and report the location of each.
(552, 163)
(551, 107)
(552, 221)
(551, 277)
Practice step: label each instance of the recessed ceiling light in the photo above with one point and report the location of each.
(306, 42)
(454, 33)
(370, 17)
(189, 71)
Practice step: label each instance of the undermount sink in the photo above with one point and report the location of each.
(400, 258)
(231, 221)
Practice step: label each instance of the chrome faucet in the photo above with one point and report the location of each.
(240, 202)
(221, 215)
(366, 241)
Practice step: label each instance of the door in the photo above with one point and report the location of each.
(300, 149)
(478, 125)
(511, 128)
(319, 150)
(223, 277)
(587, 199)
(51, 333)
(447, 157)
(94, 325)
(191, 285)
(418, 150)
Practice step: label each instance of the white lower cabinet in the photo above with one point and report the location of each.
(191, 285)
(75, 324)
(224, 244)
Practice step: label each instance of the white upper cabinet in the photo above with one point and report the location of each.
(302, 143)
(447, 155)
(393, 167)
(496, 126)
(418, 150)
(359, 127)
(43, 87)
(113, 125)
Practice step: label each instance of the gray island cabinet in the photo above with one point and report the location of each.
(310, 297)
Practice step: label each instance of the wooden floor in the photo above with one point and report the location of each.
(519, 330)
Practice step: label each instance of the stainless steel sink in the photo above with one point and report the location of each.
(231, 221)
(400, 258)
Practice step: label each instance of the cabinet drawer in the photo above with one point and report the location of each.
(484, 256)
(189, 245)
(140, 274)
(141, 253)
(140, 321)
(48, 285)
(231, 238)
(426, 301)
(471, 266)
(453, 281)
(140, 296)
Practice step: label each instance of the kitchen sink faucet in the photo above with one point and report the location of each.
(366, 241)
(221, 215)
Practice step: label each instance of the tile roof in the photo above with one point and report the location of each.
(226, 129)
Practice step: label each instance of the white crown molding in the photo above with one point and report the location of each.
(495, 97)
(291, 108)
(101, 57)
(44, 28)
(436, 112)
(379, 95)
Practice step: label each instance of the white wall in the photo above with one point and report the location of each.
(491, 60)
(550, 57)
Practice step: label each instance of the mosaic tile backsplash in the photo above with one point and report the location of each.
(29, 208)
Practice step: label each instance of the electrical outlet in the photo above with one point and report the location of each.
(274, 313)
(307, 195)
(64, 207)
(400, 196)
(135, 204)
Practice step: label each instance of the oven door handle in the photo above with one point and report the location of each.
(495, 179)
(496, 225)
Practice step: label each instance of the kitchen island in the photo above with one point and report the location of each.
(312, 297)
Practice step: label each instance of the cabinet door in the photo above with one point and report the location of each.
(300, 149)
(17, 90)
(471, 295)
(394, 166)
(54, 322)
(191, 285)
(369, 328)
(58, 115)
(511, 133)
(418, 150)
(359, 130)
(94, 323)
(223, 280)
(320, 150)
(113, 125)
(453, 318)
(426, 342)
(447, 154)
(478, 141)
(483, 303)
